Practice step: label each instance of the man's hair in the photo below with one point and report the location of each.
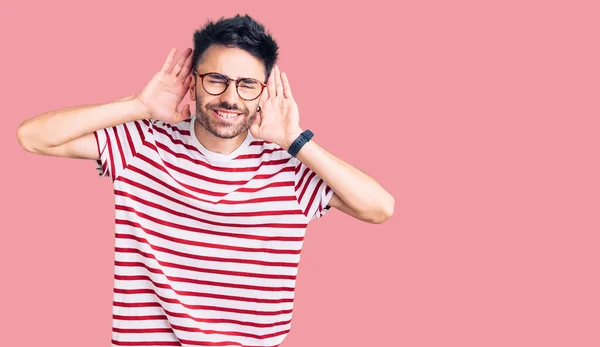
(240, 32)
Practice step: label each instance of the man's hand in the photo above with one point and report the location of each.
(162, 95)
(279, 120)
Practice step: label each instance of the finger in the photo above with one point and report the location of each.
(271, 84)
(188, 80)
(167, 65)
(287, 90)
(180, 62)
(187, 66)
(278, 83)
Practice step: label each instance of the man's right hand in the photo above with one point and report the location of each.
(69, 132)
(162, 95)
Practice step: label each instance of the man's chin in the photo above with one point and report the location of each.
(225, 132)
(224, 136)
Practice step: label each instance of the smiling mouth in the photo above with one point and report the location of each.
(226, 115)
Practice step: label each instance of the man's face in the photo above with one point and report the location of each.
(234, 63)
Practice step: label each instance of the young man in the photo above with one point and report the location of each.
(211, 209)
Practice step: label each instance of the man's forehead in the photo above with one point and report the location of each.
(233, 62)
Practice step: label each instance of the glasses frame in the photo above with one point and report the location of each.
(229, 80)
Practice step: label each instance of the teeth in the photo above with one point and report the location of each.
(227, 114)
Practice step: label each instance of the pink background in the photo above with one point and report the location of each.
(481, 120)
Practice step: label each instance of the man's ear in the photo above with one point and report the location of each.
(193, 90)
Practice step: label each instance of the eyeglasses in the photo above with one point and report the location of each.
(215, 83)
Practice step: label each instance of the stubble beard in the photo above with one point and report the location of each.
(222, 129)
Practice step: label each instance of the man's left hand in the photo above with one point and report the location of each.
(278, 120)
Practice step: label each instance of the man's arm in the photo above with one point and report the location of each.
(355, 193)
(69, 132)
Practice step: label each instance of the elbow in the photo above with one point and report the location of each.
(388, 209)
(386, 212)
(24, 139)
(21, 137)
(382, 213)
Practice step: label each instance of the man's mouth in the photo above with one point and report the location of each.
(225, 114)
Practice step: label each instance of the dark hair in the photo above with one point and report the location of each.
(239, 32)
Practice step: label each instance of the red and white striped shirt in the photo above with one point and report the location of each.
(207, 246)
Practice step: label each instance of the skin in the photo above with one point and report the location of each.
(355, 193)
(215, 133)
(69, 132)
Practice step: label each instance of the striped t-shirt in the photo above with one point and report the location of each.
(207, 245)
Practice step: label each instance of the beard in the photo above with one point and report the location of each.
(223, 129)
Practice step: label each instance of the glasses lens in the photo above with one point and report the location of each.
(214, 83)
(249, 88)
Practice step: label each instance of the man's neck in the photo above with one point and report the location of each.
(216, 144)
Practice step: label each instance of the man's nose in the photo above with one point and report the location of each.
(230, 95)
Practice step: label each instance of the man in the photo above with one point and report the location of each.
(211, 209)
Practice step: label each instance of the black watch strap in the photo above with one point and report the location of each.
(300, 142)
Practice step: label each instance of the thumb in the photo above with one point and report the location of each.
(258, 119)
(186, 112)
(183, 114)
(256, 125)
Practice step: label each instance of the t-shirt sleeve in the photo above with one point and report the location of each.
(118, 145)
(312, 193)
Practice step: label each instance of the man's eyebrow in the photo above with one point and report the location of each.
(218, 75)
(249, 80)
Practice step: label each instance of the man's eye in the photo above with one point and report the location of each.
(249, 85)
(217, 80)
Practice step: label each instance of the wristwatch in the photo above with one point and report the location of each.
(300, 141)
